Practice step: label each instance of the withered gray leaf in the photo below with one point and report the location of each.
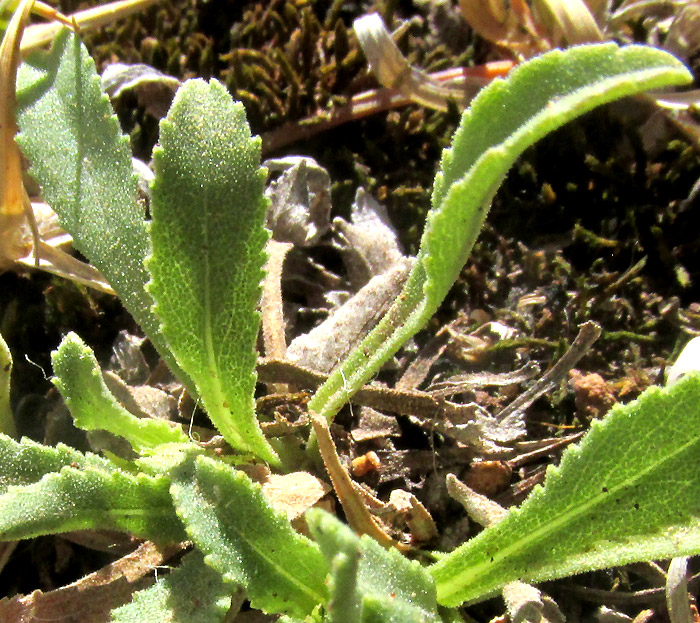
(369, 243)
(300, 200)
(154, 89)
(325, 345)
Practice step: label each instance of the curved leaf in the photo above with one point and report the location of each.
(7, 420)
(92, 405)
(628, 492)
(84, 499)
(369, 582)
(25, 462)
(504, 119)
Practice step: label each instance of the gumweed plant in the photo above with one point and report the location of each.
(191, 278)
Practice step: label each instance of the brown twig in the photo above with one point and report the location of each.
(375, 101)
(405, 402)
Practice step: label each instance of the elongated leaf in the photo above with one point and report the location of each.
(504, 119)
(369, 582)
(341, 547)
(208, 239)
(246, 540)
(25, 462)
(193, 592)
(628, 492)
(84, 499)
(83, 163)
(93, 407)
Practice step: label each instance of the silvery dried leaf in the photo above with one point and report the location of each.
(484, 431)
(154, 89)
(141, 400)
(321, 349)
(683, 38)
(369, 243)
(127, 359)
(300, 200)
(527, 604)
(375, 425)
(609, 615)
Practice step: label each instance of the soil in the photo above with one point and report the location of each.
(597, 222)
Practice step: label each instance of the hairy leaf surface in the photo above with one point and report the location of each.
(369, 582)
(194, 592)
(628, 492)
(25, 462)
(92, 405)
(69, 132)
(504, 119)
(208, 239)
(90, 499)
(246, 540)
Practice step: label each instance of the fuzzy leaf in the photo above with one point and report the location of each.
(25, 462)
(193, 592)
(504, 119)
(93, 407)
(208, 240)
(368, 582)
(628, 492)
(69, 132)
(246, 540)
(90, 499)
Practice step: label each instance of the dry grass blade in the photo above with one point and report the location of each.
(14, 202)
(678, 101)
(491, 20)
(357, 514)
(13, 197)
(570, 21)
(511, 28)
(677, 598)
(393, 70)
(273, 325)
(41, 34)
(378, 100)
(17, 213)
(91, 598)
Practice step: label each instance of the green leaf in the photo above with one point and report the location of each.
(368, 582)
(193, 592)
(504, 119)
(208, 240)
(93, 407)
(90, 499)
(247, 541)
(385, 610)
(25, 462)
(628, 492)
(7, 421)
(341, 548)
(70, 134)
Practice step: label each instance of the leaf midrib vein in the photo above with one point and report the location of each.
(564, 518)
